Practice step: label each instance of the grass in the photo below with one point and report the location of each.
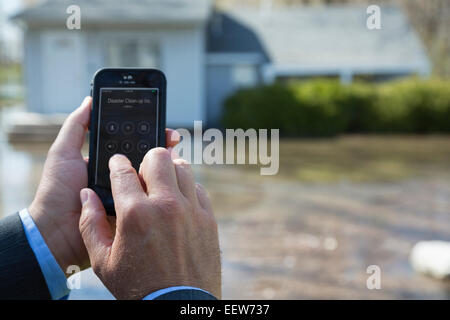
(10, 74)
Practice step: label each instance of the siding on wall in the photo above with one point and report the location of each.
(182, 54)
(64, 70)
(32, 71)
(183, 64)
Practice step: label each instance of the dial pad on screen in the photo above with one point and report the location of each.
(127, 125)
(123, 137)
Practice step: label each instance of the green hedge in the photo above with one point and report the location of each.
(327, 107)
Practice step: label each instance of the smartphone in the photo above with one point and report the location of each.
(128, 117)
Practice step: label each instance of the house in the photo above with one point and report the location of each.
(206, 52)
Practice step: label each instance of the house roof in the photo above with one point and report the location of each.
(119, 12)
(331, 39)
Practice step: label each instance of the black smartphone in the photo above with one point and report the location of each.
(128, 117)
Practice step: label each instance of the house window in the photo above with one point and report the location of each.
(244, 75)
(132, 53)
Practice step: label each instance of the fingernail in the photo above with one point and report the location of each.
(116, 156)
(84, 196)
(86, 99)
(117, 160)
(175, 136)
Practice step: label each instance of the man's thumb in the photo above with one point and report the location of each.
(94, 227)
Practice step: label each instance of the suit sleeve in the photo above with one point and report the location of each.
(186, 294)
(20, 274)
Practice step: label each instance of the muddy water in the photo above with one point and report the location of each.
(289, 237)
(284, 239)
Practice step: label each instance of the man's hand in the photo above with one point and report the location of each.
(56, 207)
(166, 233)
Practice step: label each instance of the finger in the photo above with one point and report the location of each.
(94, 227)
(203, 197)
(141, 180)
(73, 132)
(173, 153)
(125, 184)
(185, 179)
(112, 224)
(172, 138)
(158, 171)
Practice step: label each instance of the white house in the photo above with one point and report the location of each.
(207, 53)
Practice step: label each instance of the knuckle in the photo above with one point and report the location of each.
(181, 162)
(170, 206)
(129, 207)
(54, 150)
(67, 120)
(132, 208)
(140, 207)
(135, 217)
(83, 223)
(121, 171)
(187, 208)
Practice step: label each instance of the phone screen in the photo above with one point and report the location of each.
(127, 124)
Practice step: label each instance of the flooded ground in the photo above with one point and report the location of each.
(336, 207)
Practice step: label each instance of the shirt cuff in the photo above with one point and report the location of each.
(158, 293)
(53, 275)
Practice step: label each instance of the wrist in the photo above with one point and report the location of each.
(55, 238)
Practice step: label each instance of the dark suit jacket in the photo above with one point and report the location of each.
(20, 273)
